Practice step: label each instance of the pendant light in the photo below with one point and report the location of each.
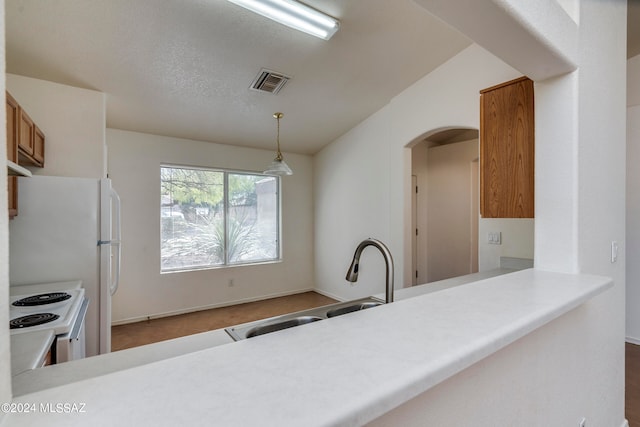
(278, 166)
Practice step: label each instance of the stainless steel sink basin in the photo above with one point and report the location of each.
(351, 308)
(274, 324)
(284, 324)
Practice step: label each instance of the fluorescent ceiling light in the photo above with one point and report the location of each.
(295, 15)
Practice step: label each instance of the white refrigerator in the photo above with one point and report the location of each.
(69, 229)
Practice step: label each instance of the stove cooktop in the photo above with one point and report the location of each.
(55, 311)
(41, 299)
(32, 320)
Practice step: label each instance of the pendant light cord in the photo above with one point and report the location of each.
(278, 116)
(278, 166)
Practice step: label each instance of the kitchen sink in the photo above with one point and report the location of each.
(351, 308)
(284, 324)
(278, 323)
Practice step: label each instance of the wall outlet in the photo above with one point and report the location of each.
(494, 238)
(614, 251)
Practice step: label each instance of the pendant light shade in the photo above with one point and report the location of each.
(278, 165)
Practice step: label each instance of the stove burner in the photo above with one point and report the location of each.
(32, 320)
(42, 299)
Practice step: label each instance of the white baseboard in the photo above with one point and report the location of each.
(329, 295)
(632, 340)
(210, 306)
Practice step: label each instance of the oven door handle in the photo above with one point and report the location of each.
(77, 326)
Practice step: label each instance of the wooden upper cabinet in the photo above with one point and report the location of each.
(38, 146)
(25, 146)
(507, 150)
(12, 151)
(30, 140)
(26, 133)
(12, 128)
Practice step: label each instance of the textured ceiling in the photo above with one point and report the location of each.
(183, 68)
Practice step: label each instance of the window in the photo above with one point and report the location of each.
(212, 218)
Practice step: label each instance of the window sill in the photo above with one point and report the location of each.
(221, 267)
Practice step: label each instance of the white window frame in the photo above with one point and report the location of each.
(226, 263)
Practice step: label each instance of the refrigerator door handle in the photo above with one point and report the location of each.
(108, 242)
(115, 242)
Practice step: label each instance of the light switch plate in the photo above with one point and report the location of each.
(494, 238)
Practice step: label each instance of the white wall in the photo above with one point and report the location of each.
(134, 167)
(73, 121)
(517, 240)
(5, 353)
(633, 199)
(362, 180)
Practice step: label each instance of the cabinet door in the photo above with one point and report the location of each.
(12, 152)
(507, 150)
(12, 128)
(38, 146)
(26, 133)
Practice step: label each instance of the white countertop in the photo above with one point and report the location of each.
(440, 285)
(346, 370)
(36, 288)
(28, 350)
(56, 375)
(76, 370)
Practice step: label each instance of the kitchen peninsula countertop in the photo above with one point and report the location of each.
(30, 381)
(346, 370)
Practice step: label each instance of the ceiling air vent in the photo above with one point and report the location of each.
(269, 81)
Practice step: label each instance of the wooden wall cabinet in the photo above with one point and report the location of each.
(12, 152)
(507, 150)
(30, 141)
(25, 146)
(25, 133)
(38, 146)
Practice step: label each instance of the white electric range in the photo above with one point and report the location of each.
(43, 307)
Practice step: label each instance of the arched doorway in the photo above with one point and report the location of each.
(445, 205)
